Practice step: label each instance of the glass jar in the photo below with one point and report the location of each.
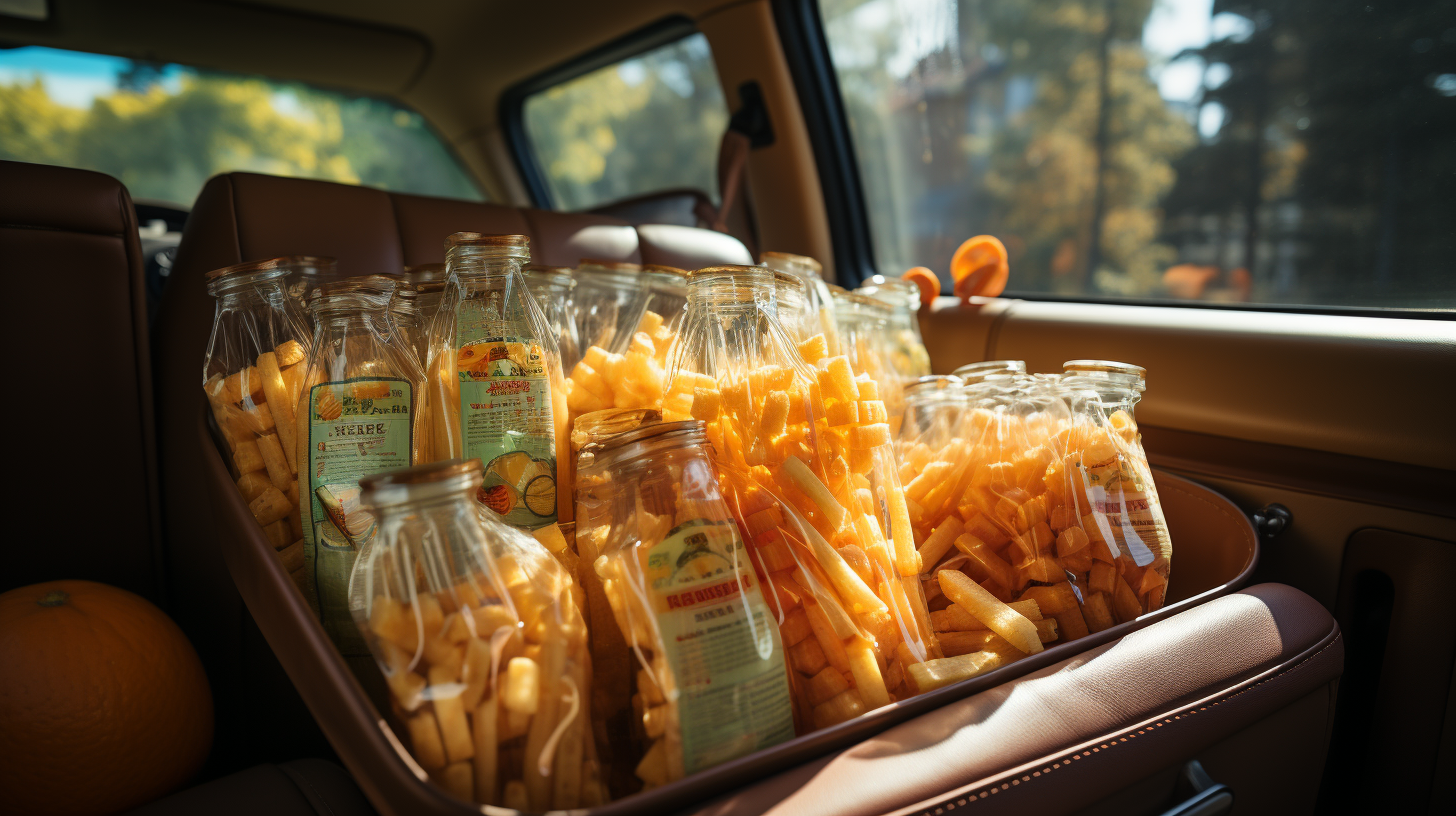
(707, 668)
(973, 373)
(639, 313)
(405, 318)
(806, 458)
(306, 273)
(252, 375)
(933, 409)
(428, 283)
(864, 337)
(551, 287)
(799, 319)
(908, 356)
(605, 299)
(482, 647)
(818, 294)
(496, 384)
(358, 414)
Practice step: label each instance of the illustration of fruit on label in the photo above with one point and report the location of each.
(506, 422)
(356, 428)
(722, 643)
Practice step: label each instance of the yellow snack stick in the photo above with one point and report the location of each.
(804, 479)
(954, 618)
(814, 349)
(873, 411)
(838, 382)
(581, 400)
(642, 345)
(585, 376)
(240, 384)
(246, 456)
(998, 617)
(867, 388)
(846, 581)
(706, 404)
(252, 485)
(933, 674)
(522, 686)
(829, 640)
(933, 474)
(841, 413)
(425, 739)
(278, 403)
(271, 506)
(866, 671)
(941, 540)
(775, 414)
(289, 352)
(865, 437)
(275, 461)
(907, 560)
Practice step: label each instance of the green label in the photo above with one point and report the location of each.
(506, 422)
(722, 643)
(356, 428)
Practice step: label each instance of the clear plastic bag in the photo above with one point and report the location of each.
(496, 390)
(864, 335)
(480, 641)
(552, 286)
(908, 357)
(934, 406)
(803, 447)
(697, 663)
(358, 414)
(252, 375)
(625, 366)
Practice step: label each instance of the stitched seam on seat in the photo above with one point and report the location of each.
(1067, 759)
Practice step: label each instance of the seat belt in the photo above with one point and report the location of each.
(748, 129)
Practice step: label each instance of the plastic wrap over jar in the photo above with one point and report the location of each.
(696, 664)
(908, 357)
(306, 273)
(496, 389)
(625, 367)
(552, 286)
(864, 335)
(358, 413)
(805, 456)
(481, 644)
(252, 375)
(934, 406)
(818, 294)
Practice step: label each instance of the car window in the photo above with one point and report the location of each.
(164, 129)
(1259, 151)
(649, 123)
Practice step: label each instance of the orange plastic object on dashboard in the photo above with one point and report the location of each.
(927, 281)
(979, 267)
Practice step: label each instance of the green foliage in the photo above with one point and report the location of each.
(164, 144)
(602, 138)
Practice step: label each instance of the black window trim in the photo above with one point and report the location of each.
(801, 32)
(513, 100)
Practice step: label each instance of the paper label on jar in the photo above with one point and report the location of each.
(506, 422)
(722, 643)
(356, 428)
(1127, 511)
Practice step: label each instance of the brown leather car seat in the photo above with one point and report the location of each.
(246, 216)
(76, 330)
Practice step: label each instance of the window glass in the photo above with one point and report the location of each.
(1261, 151)
(649, 123)
(164, 129)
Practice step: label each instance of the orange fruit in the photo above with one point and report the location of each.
(979, 267)
(927, 281)
(103, 703)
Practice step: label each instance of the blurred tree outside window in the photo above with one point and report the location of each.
(1262, 151)
(649, 123)
(163, 130)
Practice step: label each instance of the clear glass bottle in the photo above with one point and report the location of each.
(497, 393)
(606, 296)
(428, 282)
(805, 452)
(358, 414)
(482, 647)
(698, 636)
(818, 294)
(552, 286)
(908, 356)
(252, 374)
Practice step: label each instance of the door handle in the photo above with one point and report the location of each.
(1209, 798)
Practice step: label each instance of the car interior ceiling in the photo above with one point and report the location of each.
(1307, 662)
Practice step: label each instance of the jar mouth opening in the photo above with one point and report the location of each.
(637, 443)
(396, 487)
(1103, 367)
(785, 259)
(975, 372)
(934, 384)
(424, 273)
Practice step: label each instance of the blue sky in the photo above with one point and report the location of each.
(72, 78)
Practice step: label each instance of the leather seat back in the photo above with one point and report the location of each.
(82, 429)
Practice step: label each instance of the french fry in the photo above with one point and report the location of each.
(271, 506)
(424, 735)
(934, 548)
(934, 674)
(804, 479)
(866, 671)
(997, 616)
(275, 462)
(276, 390)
